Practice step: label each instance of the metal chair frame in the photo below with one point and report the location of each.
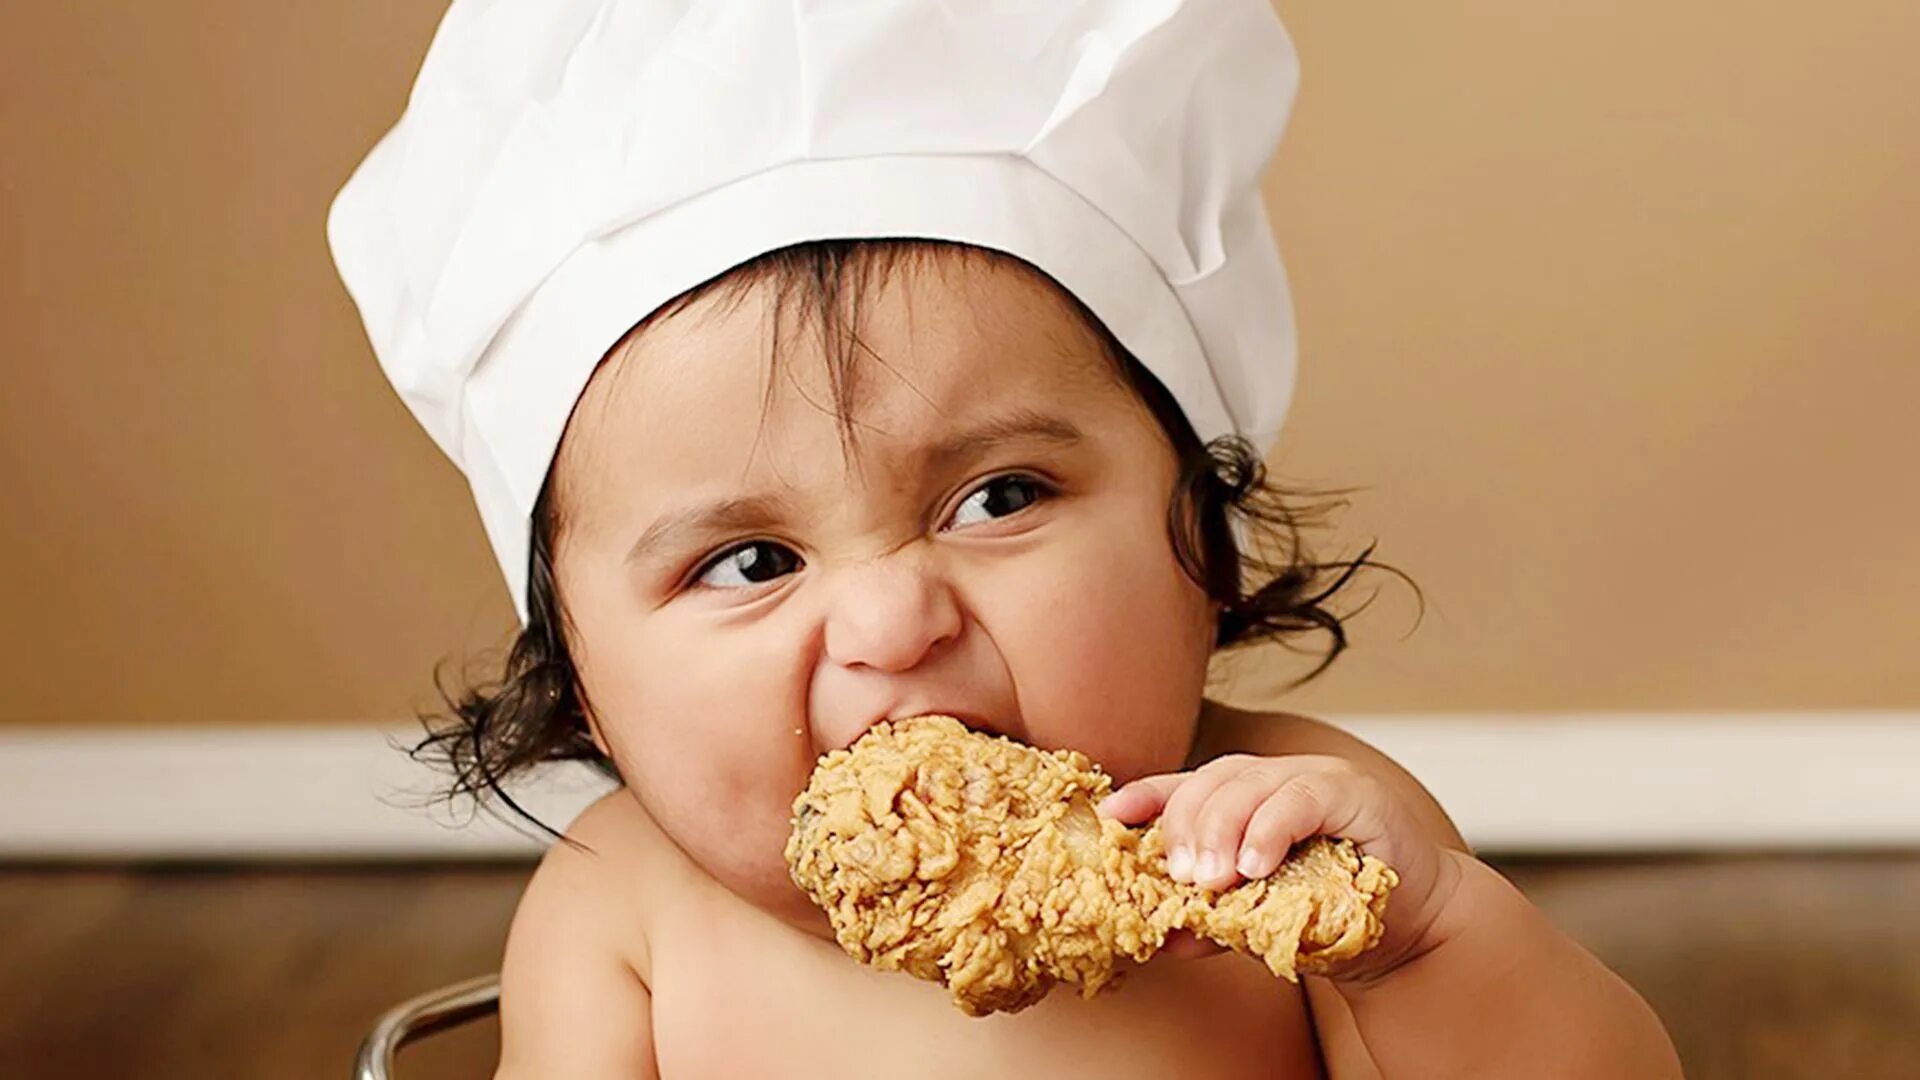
(415, 1018)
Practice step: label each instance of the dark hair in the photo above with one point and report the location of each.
(1274, 590)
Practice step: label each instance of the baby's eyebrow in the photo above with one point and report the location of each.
(1018, 425)
(677, 528)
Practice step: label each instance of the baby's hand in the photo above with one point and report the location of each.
(1236, 817)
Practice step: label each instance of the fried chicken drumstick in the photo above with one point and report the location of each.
(977, 862)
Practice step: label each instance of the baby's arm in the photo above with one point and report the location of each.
(1502, 993)
(1509, 993)
(570, 1004)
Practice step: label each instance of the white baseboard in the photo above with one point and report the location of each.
(1515, 784)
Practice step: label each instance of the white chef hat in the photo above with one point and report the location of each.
(564, 167)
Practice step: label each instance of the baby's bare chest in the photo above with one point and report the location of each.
(738, 996)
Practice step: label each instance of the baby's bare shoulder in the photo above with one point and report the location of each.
(614, 876)
(574, 997)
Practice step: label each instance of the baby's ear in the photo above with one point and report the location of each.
(1215, 609)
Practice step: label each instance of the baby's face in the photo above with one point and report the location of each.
(747, 594)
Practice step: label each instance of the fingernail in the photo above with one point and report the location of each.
(1102, 806)
(1180, 863)
(1211, 866)
(1249, 864)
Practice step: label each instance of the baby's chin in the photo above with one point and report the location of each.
(768, 886)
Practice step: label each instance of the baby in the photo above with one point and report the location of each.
(939, 413)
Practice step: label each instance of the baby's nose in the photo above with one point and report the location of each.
(890, 615)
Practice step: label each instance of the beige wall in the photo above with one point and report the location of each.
(1609, 308)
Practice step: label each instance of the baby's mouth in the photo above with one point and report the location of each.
(972, 721)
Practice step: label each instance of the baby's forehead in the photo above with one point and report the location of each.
(903, 358)
(943, 307)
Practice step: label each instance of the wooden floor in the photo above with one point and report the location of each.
(1762, 967)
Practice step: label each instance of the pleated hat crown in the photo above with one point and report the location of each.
(564, 167)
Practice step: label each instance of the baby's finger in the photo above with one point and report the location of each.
(1221, 823)
(1142, 799)
(1178, 817)
(1306, 805)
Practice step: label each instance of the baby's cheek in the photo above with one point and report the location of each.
(1106, 656)
(729, 809)
(713, 754)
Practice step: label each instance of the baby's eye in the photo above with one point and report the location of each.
(752, 563)
(760, 561)
(999, 497)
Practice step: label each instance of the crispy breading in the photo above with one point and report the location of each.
(978, 862)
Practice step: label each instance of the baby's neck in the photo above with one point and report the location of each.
(1220, 729)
